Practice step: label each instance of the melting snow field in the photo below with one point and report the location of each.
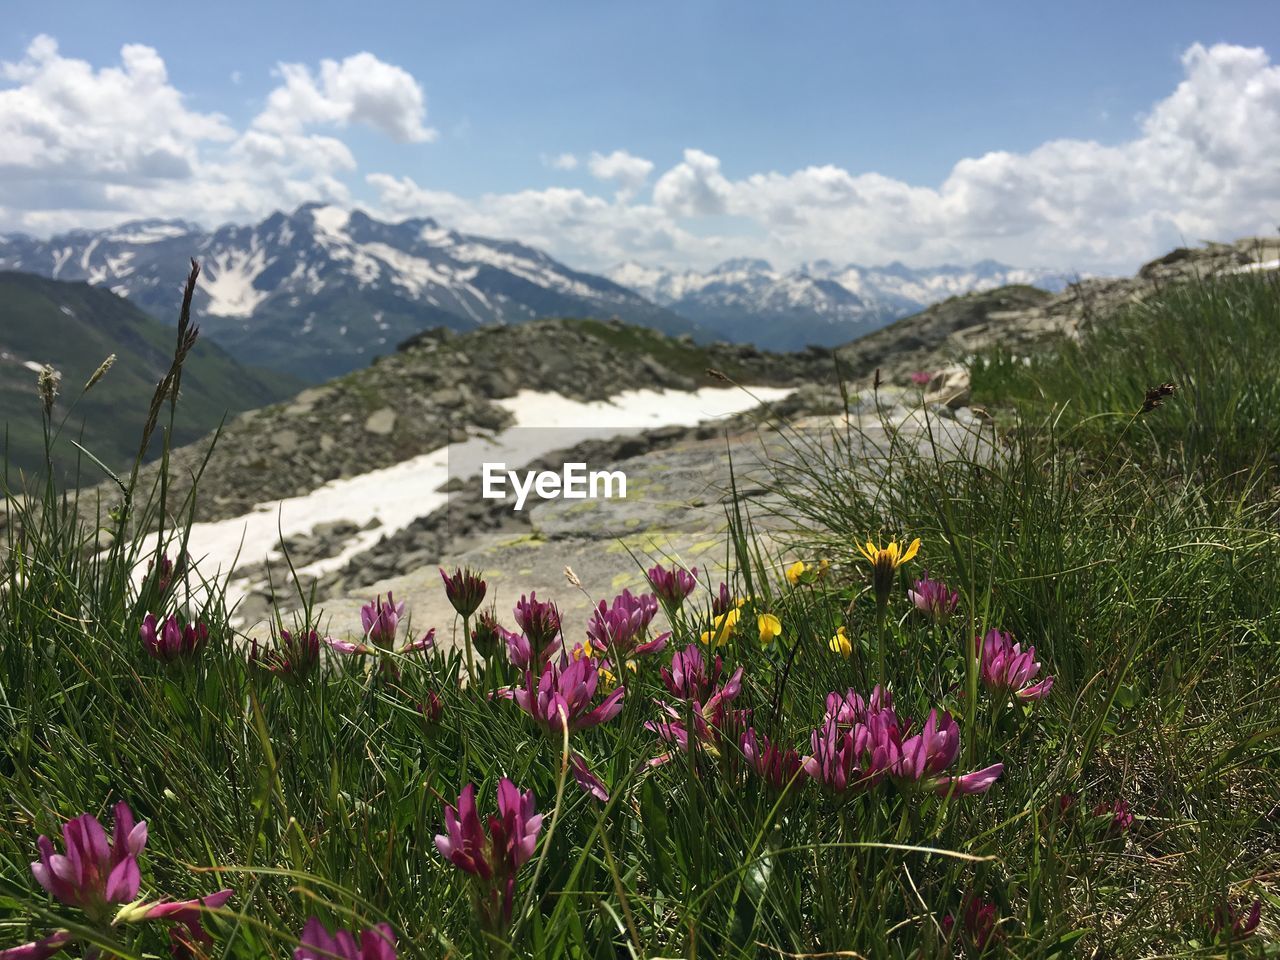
(391, 498)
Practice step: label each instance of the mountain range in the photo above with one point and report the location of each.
(818, 303)
(320, 291)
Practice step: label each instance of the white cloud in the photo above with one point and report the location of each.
(561, 161)
(86, 146)
(628, 171)
(359, 89)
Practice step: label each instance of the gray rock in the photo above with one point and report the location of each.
(381, 422)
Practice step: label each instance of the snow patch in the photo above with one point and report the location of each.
(390, 499)
(228, 280)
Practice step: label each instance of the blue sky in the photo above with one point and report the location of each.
(905, 92)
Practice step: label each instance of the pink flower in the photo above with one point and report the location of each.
(562, 696)
(91, 874)
(673, 585)
(849, 708)
(494, 857)
(540, 621)
(588, 781)
(464, 590)
(711, 721)
(39, 949)
(432, 709)
(380, 621)
(723, 601)
(185, 914)
(1231, 925)
(921, 377)
(933, 598)
(170, 641)
(1006, 668)
(688, 677)
(850, 752)
(376, 943)
(622, 625)
(778, 767)
(1120, 816)
(980, 919)
(293, 658)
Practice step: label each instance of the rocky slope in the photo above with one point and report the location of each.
(438, 388)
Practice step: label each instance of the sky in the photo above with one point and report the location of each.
(1083, 137)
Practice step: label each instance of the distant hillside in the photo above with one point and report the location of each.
(74, 327)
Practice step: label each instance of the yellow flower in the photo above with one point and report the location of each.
(770, 627)
(723, 627)
(884, 563)
(840, 643)
(795, 572)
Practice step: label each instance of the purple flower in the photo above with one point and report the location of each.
(465, 590)
(587, 780)
(621, 625)
(39, 949)
(933, 598)
(834, 761)
(169, 641)
(92, 874)
(776, 766)
(673, 585)
(980, 919)
(723, 601)
(712, 721)
(848, 708)
(540, 621)
(562, 696)
(185, 915)
(1231, 925)
(688, 677)
(921, 377)
(432, 709)
(1120, 817)
(294, 657)
(380, 621)
(1006, 668)
(494, 857)
(376, 943)
(852, 752)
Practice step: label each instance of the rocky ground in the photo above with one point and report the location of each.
(439, 387)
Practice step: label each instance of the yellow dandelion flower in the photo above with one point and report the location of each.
(884, 564)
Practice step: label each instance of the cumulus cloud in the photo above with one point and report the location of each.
(628, 171)
(86, 146)
(583, 229)
(359, 89)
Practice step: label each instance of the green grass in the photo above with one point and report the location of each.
(1151, 595)
(75, 327)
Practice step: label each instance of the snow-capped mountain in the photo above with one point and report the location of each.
(817, 303)
(320, 291)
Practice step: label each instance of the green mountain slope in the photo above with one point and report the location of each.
(74, 326)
